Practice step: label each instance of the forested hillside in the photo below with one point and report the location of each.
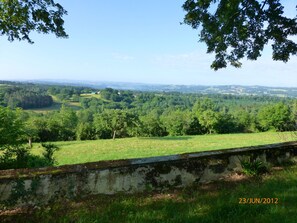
(15, 95)
(110, 113)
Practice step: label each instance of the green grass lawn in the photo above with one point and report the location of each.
(214, 202)
(73, 152)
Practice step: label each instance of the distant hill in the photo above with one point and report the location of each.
(219, 89)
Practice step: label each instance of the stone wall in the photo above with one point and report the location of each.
(43, 185)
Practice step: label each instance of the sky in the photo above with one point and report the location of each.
(133, 41)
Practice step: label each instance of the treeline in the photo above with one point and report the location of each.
(30, 96)
(204, 117)
(26, 97)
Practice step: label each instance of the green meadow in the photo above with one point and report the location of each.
(73, 152)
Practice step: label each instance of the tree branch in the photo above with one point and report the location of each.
(264, 5)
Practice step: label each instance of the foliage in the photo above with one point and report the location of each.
(151, 125)
(209, 120)
(237, 29)
(176, 122)
(67, 120)
(13, 134)
(109, 113)
(20, 17)
(207, 114)
(275, 117)
(254, 168)
(115, 123)
(294, 118)
(30, 96)
(15, 157)
(58, 125)
(85, 131)
(48, 154)
(11, 128)
(11, 138)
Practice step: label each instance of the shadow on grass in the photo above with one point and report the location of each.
(169, 138)
(30, 161)
(216, 202)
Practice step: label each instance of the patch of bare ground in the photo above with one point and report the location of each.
(12, 212)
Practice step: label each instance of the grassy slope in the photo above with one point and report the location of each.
(58, 103)
(56, 106)
(215, 202)
(89, 151)
(91, 96)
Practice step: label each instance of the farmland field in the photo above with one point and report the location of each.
(73, 152)
(56, 106)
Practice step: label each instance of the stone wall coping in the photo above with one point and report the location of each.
(108, 164)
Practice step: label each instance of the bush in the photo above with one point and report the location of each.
(20, 157)
(48, 154)
(254, 168)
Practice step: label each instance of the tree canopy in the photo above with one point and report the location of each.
(19, 17)
(235, 29)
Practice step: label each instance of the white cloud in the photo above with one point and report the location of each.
(122, 57)
(188, 61)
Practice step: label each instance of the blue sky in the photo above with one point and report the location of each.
(133, 41)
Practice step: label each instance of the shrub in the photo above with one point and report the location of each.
(48, 154)
(254, 168)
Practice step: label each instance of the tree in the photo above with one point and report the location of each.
(294, 114)
(195, 127)
(203, 105)
(245, 120)
(11, 128)
(19, 17)
(31, 129)
(207, 115)
(67, 120)
(112, 123)
(151, 125)
(176, 122)
(12, 136)
(276, 117)
(209, 119)
(241, 28)
(85, 131)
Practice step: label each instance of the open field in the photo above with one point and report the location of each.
(98, 96)
(215, 202)
(90, 96)
(73, 152)
(56, 106)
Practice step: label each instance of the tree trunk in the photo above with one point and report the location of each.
(30, 142)
(114, 135)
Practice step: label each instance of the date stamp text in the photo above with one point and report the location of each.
(258, 200)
